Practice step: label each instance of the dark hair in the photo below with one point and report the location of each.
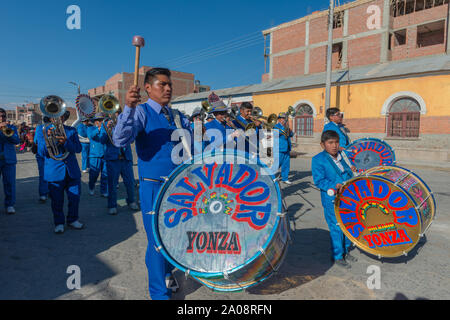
(246, 105)
(331, 111)
(151, 74)
(328, 135)
(2, 110)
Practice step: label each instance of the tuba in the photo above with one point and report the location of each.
(7, 132)
(54, 108)
(109, 105)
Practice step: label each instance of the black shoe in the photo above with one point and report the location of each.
(342, 263)
(350, 258)
(172, 283)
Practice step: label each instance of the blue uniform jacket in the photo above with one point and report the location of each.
(217, 126)
(97, 148)
(8, 146)
(284, 143)
(344, 140)
(112, 152)
(327, 175)
(55, 170)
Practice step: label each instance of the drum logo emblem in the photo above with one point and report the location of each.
(365, 201)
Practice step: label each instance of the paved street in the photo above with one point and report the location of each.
(110, 251)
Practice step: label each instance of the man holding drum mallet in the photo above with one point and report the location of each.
(150, 125)
(330, 170)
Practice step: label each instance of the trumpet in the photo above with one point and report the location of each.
(269, 122)
(109, 105)
(54, 108)
(235, 113)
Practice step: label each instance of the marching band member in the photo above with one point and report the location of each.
(63, 175)
(285, 146)
(150, 125)
(197, 121)
(244, 118)
(43, 185)
(97, 164)
(119, 162)
(8, 161)
(85, 143)
(336, 124)
(330, 171)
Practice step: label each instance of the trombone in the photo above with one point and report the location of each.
(109, 105)
(54, 108)
(269, 122)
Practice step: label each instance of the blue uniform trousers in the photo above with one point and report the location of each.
(97, 166)
(8, 172)
(285, 164)
(115, 168)
(43, 185)
(340, 244)
(157, 266)
(85, 156)
(72, 187)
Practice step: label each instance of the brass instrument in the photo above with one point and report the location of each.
(235, 113)
(54, 108)
(109, 105)
(269, 122)
(7, 132)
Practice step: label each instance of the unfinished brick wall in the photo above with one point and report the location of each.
(289, 65)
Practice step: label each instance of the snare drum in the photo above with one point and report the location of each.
(368, 153)
(221, 222)
(385, 211)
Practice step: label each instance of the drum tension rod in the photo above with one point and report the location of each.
(402, 178)
(417, 208)
(151, 213)
(227, 277)
(186, 273)
(265, 256)
(158, 249)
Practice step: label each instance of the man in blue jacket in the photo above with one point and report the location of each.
(119, 162)
(330, 170)
(242, 120)
(85, 144)
(8, 161)
(63, 175)
(151, 125)
(43, 185)
(336, 117)
(97, 163)
(284, 146)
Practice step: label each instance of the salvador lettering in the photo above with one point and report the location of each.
(367, 152)
(372, 196)
(237, 193)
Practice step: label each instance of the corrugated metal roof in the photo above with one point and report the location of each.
(415, 66)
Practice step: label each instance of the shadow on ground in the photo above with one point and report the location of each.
(34, 260)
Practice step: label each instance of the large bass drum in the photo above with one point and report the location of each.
(219, 219)
(385, 211)
(368, 153)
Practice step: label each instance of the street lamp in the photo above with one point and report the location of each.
(77, 85)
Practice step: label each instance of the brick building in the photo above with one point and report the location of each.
(365, 32)
(183, 83)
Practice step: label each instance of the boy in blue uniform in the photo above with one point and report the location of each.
(151, 125)
(330, 170)
(8, 162)
(284, 147)
(85, 144)
(119, 162)
(97, 163)
(63, 175)
(43, 185)
(336, 118)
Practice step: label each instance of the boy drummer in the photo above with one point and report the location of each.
(330, 170)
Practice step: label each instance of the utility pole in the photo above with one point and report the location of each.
(329, 55)
(76, 84)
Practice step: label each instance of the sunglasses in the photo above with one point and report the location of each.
(339, 114)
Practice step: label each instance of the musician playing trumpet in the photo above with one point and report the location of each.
(9, 138)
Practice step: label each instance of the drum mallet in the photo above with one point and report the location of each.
(138, 42)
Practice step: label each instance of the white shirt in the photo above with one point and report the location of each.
(337, 161)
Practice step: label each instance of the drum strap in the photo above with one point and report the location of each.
(177, 120)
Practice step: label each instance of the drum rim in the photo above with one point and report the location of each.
(394, 161)
(369, 250)
(77, 104)
(163, 188)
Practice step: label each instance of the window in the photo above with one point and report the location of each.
(403, 119)
(404, 7)
(431, 34)
(399, 38)
(338, 20)
(304, 121)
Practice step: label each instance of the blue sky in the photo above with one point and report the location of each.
(218, 41)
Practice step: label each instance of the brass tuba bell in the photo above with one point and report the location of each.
(109, 105)
(54, 108)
